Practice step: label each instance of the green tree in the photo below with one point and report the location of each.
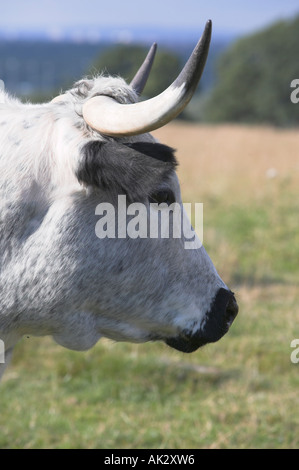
(254, 78)
(124, 60)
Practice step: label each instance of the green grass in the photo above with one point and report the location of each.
(244, 394)
(241, 392)
(261, 236)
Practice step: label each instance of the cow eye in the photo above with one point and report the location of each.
(165, 196)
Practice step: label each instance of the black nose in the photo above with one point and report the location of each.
(217, 321)
(232, 309)
(221, 315)
(225, 307)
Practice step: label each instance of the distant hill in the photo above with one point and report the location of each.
(29, 67)
(42, 67)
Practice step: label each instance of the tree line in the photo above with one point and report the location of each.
(255, 79)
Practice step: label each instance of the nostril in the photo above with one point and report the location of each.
(224, 308)
(231, 309)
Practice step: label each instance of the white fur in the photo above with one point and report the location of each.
(56, 277)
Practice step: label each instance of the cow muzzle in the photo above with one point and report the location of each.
(215, 324)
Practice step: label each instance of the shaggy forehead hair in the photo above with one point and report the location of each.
(103, 85)
(85, 89)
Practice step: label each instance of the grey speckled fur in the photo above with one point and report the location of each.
(56, 277)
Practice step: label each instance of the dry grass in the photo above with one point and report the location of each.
(233, 161)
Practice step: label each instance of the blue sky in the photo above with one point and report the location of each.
(230, 16)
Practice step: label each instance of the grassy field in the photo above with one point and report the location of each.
(241, 392)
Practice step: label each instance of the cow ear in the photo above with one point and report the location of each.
(124, 169)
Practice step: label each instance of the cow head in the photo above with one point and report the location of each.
(76, 172)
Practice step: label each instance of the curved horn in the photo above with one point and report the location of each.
(109, 117)
(139, 81)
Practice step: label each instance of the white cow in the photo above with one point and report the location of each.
(59, 162)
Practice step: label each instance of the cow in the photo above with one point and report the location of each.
(59, 161)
